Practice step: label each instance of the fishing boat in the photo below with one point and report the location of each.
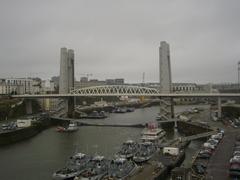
(127, 150)
(74, 166)
(120, 168)
(96, 170)
(145, 151)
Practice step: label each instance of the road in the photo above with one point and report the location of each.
(219, 162)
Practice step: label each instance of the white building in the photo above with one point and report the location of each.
(47, 86)
(20, 86)
(10, 87)
(184, 87)
(27, 84)
(66, 79)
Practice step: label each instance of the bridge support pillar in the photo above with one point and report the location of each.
(175, 124)
(28, 104)
(219, 107)
(172, 108)
(70, 106)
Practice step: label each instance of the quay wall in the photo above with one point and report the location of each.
(13, 136)
(231, 110)
(190, 128)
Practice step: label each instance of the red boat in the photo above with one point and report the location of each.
(60, 129)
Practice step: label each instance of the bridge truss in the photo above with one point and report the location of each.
(116, 90)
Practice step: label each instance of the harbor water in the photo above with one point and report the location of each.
(37, 158)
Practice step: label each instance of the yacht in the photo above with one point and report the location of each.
(120, 110)
(75, 165)
(130, 109)
(71, 127)
(127, 150)
(97, 115)
(96, 170)
(153, 134)
(120, 168)
(145, 151)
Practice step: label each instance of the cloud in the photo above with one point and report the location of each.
(114, 38)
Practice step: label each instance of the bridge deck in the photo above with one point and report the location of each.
(127, 94)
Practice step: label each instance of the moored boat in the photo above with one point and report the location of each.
(70, 128)
(75, 165)
(130, 109)
(96, 169)
(127, 150)
(97, 115)
(145, 151)
(120, 168)
(153, 134)
(120, 110)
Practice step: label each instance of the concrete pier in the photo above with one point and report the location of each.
(66, 80)
(28, 104)
(219, 108)
(166, 104)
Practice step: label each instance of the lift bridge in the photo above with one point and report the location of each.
(126, 90)
(123, 90)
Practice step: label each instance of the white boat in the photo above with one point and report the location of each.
(71, 128)
(153, 134)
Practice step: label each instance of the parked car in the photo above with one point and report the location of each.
(236, 153)
(213, 142)
(208, 145)
(199, 168)
(217, 136)
(234, 170)
(204, 156)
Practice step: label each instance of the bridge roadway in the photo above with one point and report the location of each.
(172, 95)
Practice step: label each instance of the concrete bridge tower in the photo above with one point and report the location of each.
(66, 79)
(166, 104)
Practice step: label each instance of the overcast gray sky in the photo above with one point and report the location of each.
(120, 38)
